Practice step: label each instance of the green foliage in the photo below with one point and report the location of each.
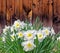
(48, 45)
(37, 24)
(57, 45)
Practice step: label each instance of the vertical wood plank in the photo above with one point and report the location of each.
(8, 11)
(35, 9)
(2, 14)
(58, 8)
(45, 12)
(27, 8)
(55, 8)
(40, 9)
(17, 8)
(57, 16)
(0, 5)
(50, 12)
(21, 9)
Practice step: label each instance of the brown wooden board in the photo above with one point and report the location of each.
(48, 11)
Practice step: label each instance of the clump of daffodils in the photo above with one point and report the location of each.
(28, 45)
(18, 32)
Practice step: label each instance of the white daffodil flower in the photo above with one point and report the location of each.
(28, 45)
(20, 34)
(23, 25)
(46, 31)
(19, 25)
(40, 35)
(12, 28)
(6, 29)
(52, 31)
(58, 38)
(30, 35)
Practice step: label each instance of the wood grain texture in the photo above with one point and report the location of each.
(48, 11)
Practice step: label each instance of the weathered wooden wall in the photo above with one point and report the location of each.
(47, 10)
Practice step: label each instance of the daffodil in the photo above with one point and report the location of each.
(23, 25)
(29, 35)
(58, 38)
(46, 31)
(6, 29)
(12, 28)
(28, 45)
(40, 35)
(52, 31)
(20, 35)
(17, 24)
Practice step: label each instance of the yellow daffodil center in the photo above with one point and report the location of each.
(29, 45)
(29, 35)
(17, 25)
(20, 34)
(40, 36)
(47, 32)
